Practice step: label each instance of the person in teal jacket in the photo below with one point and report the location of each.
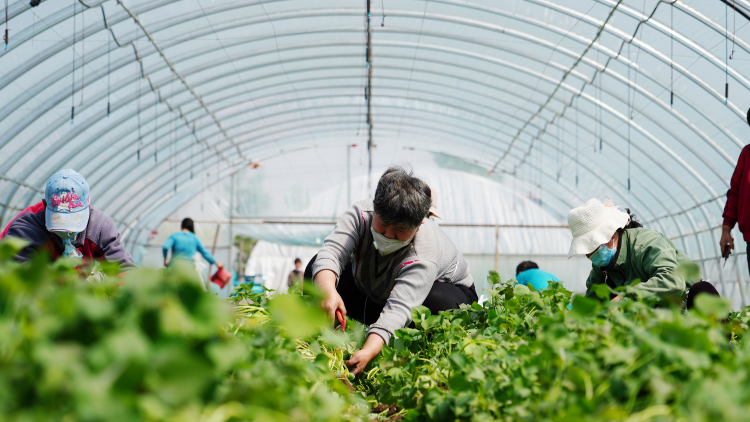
(528, 273)
(184, 244)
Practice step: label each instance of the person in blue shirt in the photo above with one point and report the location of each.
(184, 244)
(528, 273)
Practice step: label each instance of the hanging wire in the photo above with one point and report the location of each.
(73, 74)
(671, 58)
(560, 135)
(630, 114)
(109, 63)
(597, 77)
(83, 53)
(577, 164)
(540, 155)
(726, 54)
(601, 115)
(171, 125)
(382, 3)
(203, 180)
(156, 126)
(138, 101)
(6, 37)
(637, 59)
(174, 168)
(173, 147)
(734, 27)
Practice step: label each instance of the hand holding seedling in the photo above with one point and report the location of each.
(361, 358)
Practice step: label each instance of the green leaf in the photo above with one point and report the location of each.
(710, 305)
(585, 307)
(602, 291)
(10, 246)
(298, 318)
(521, 290)
(227, 355)
(419, 313)
(493, 278)
(688, 271)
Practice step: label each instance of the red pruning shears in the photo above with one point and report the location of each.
(341, 319)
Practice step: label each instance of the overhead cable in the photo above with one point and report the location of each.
(145, 76)
(557, 87)
(73, 74)
(368, 96)
(181, 78)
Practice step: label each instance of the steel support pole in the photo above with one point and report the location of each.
(348, 175)
(230, 257)
(497, 248)
(368, 99)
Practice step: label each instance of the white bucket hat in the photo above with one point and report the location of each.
(592, 225)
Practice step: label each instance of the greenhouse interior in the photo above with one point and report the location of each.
(419, 210)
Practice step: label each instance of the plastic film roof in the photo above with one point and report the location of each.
(155, 100)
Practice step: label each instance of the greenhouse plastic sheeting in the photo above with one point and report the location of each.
(639, 101)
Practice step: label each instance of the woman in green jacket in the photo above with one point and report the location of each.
(622, 251)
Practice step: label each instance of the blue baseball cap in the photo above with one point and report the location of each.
(67, 196)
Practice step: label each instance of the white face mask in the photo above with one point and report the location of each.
(387, 246)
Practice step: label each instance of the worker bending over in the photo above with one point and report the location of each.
(622, 251)
(66, 225)
(529, 274)
(385, 257)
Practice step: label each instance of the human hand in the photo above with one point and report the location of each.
(726, 243)
(361, 358)
(219, 264)
(326, 281)
(331, 304)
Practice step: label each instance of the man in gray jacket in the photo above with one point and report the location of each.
(65, 225)
(385, 257)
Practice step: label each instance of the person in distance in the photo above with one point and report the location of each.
(528, 273)
(66, 225)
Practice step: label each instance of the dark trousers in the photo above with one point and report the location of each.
(442, 296)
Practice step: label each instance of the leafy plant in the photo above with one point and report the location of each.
(524, 356)
(150, 346)
(153, 346)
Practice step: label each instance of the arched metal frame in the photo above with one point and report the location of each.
(687, 197)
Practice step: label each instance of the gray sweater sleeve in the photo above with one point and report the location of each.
(412, 286)
(339, 245)
(108, 240)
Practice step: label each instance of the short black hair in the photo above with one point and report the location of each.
(188, 225)
(296, 260)
(525, 265)
(402, 199)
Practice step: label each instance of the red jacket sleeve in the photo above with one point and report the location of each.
(733, 194)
